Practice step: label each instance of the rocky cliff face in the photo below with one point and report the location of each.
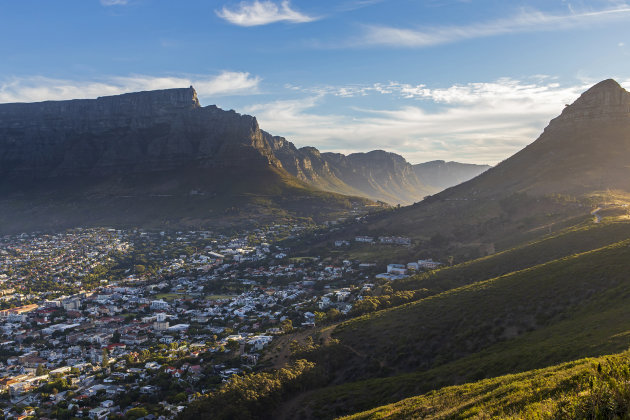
(381, 174)
(130, 133)
(377, 174)
(606, 100)
(152, 159)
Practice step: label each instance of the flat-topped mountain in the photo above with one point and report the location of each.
(130, 133)
(147, 158)
(159, 145)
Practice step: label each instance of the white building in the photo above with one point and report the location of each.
(396, 269)
(159, 305)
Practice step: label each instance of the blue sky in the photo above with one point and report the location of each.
(472, 81)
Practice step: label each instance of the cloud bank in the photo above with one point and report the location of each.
(262, 13)
(38, 88)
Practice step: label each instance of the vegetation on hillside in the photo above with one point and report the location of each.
(588, 388)
(576, 307)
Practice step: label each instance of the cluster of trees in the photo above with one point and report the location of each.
(255, 395)
(388, 299)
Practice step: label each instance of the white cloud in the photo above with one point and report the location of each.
(38, 88)
(526, 21)
(262, 13)
(475, 122)
(113, 2)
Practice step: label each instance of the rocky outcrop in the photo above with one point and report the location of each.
(131, 133)
(606, 100)
(379, 175)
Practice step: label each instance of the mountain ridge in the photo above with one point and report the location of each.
(377, 174)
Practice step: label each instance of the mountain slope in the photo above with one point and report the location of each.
(442, 175)
(149, 159)
(585, 149)
(551, 313)
(579, 163)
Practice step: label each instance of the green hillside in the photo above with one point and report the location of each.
(586, 388)
(583, 237)
(551, 301)
(576, 306)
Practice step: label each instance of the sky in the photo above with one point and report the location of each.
(466, 80)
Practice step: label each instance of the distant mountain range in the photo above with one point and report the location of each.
(158, 157)
(379, 175)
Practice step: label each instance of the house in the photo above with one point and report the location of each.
(324, 302)
(364, 239)
(159, 305)
(259, 341)
(413, 266)
(99, 413)
(429, 264)
(394, 240)
(396, 269)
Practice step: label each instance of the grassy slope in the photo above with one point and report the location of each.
(575, 307)
(570, 241)
(577, 389)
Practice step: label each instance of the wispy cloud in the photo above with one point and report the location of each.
(475, 122)
(263, 13)
(113, 2)
(38, 88)
(526, 21)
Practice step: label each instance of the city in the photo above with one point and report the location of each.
(100, 322)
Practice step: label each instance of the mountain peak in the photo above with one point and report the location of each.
(606, 100)
(606, 92)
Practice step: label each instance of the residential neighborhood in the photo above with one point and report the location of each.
(105, 323)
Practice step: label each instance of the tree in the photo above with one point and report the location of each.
(105, 359)
(136, 413)
(319, 317)
(286, 325)
(232, 345)
(40, 370)
(333, 314)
